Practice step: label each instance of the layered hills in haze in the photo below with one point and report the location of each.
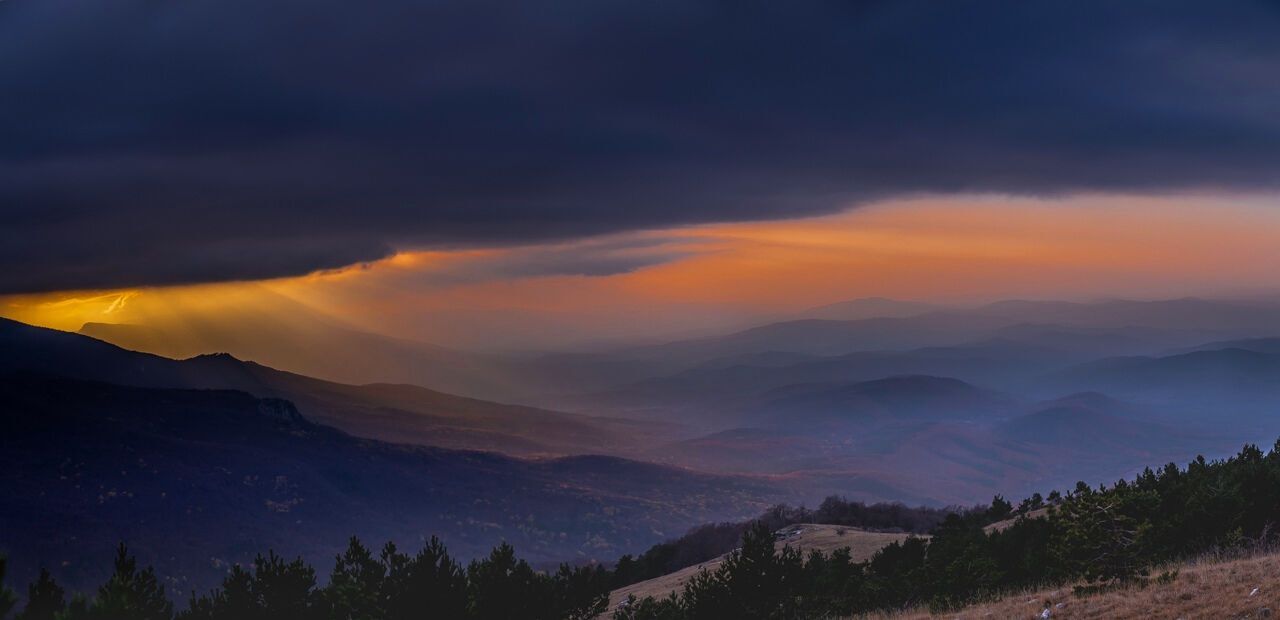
(170, 447)
(584, 456)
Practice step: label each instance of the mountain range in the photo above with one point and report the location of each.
(208, 445)
(584, 456)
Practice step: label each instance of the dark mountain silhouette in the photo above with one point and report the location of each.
(314, 346)
(222, 474)
(402, 413)
(294, 337)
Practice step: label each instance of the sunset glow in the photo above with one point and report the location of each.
(325, 310)
(965, 250)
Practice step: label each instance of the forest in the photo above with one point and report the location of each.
(1098, 537)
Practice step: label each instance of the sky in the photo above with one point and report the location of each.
(498, 174)
(694, 280)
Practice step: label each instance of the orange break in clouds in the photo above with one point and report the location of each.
(983, 248)
(946, 249)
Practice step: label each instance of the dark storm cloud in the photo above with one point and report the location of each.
(148, 142)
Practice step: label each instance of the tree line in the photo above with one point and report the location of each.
(1097, 537)
(392, 585)
(389, 585)
(713, 540)
(1100, 536)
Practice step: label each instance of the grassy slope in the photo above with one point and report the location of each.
(825, 538)
(1207, 588)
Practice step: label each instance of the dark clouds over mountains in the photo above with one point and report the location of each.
(146, 142)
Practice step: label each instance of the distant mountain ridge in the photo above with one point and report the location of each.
(933, 435)
(1260, 345)
(867, 308)
(402, 413)
(1183, 313)
(306, 342)
(1218, 370)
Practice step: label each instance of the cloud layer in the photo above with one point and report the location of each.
(144, 142)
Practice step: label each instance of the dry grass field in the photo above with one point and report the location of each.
(825, 538)
(1209, 588)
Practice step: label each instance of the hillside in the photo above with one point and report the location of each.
(807, 537)
(1217, 370)
(400, 413)
(1014, 358)
(877, 440)
(292, 336)
(196, 480)
(898, 399)
(1208, 588)
(1090, 419)
(1205, 388)
(307, 344)
(937, 438)
(1108, 538)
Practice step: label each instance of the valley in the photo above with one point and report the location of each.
(406, 309)
(962, 405)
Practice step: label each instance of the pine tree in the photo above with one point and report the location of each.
(580, 593)
(45, 599)
(1101, 539)
(959, 564)
(429, 580)
(355, 585)
(1000, 509)
(7, 597)
(503, 587)
(130, 593)
(275, 589)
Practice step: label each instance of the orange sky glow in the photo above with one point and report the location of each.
(966, 249)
